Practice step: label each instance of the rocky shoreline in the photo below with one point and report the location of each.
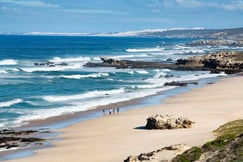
(232, 43)
(12, 139)
(228, 62)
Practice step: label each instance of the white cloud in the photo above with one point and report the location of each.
(5, 9)
(189, 3)
(229, 5)
(30, 3)
(93, 11)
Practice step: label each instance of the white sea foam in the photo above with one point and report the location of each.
(93, 94)
(156, 49)
(201, 76)
(130, 72)
(131, 56)
(141, 72)
(10, 103)
(98, 98)
(88, 104)
(33, 69)
(78, 76)
(8, 62)
(69, 59)
(3, 71)
(55, 68)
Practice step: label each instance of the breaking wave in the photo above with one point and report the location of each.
(92, 94)
(10, 103)
(156, 49)
(78, 76)
(8, 62)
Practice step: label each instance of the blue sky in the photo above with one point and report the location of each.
(95, 16)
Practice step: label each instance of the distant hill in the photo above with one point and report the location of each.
(233, 34)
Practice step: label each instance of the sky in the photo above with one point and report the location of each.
(97, 16)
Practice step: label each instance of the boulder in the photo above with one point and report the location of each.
(167, 122)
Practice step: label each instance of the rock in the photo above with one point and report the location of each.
(17, 133)
(11, 138)
(174, 83)
(9, 146)
(132, 159)
(230, 62)
(167, 122)
(50, 64)
(155, 156)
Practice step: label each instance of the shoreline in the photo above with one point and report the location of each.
(169, 102)
(54, 124)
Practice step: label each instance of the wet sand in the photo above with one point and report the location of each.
(114, 137)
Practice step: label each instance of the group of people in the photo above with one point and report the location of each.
(111, 111)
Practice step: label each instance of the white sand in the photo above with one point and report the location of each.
(113, 138)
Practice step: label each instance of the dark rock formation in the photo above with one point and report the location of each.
(17, 133)
(216, 43)
(167, 122)
(50, 64)
(174, 83)
(230, 62)
(13, 139)
(109, 62)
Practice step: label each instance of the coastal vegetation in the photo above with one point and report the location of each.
(227, 146)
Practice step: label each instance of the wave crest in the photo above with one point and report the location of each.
(8, 62)
(78, 76)
(93, 94)
(156, 49)
(10, 103)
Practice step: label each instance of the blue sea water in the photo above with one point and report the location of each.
(30, 92)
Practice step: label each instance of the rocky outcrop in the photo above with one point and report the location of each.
(167, 122)
(155, 156)
(18, 139)
(216, 43)
(110, 62)
(221, 61)
(228, 62)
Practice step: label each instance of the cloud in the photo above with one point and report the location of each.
(229, 5)
(234, 5)
(189, 3)
(30, 3)
(92, 11)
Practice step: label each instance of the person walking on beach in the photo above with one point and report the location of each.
(103, 111)
(110, 111)
(117, 110)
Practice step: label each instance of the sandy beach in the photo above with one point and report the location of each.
(113, 138)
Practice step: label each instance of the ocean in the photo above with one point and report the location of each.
(29, 91)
